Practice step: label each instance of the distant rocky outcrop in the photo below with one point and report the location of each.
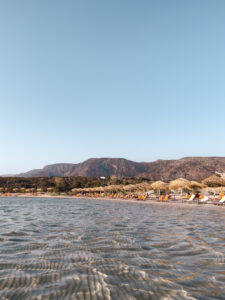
(192, 168)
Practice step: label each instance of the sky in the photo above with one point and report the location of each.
(143, 80)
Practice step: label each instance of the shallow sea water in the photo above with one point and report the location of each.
(95, 249)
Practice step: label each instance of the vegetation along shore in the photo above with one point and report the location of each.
(210, 190)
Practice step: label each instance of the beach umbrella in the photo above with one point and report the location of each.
(159, 185)
(78, 190)
(194, 185)
(129, 187)
(179, 184)
(143, 187)
(214, 181)
(137, 187)
(95, 189)
(110, 188)
(100, 189)
(116, 188)
(107, 188)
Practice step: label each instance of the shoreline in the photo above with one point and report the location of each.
(130, 200)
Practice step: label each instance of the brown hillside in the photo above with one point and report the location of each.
(193, 168)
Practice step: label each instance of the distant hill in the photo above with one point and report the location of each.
(188, 167)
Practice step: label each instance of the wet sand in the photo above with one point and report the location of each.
(175, 203)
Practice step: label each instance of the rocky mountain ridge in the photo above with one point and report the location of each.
(192, 168)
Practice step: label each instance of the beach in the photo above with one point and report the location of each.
(177, 203)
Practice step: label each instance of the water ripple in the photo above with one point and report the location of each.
(80, 249)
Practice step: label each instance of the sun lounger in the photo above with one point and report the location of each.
(220, 196)
(142, 197)
(221, 202)
(204, 199)
(191, 198)
(166, 198)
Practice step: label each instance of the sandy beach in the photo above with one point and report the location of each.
(176, 204)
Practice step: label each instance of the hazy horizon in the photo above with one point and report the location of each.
(140, 80)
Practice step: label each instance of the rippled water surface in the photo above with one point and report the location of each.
(90, 249)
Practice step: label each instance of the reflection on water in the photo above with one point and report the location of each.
(82, 249)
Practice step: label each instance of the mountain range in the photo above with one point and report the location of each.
(192, 168)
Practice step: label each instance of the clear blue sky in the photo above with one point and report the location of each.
(122, 78)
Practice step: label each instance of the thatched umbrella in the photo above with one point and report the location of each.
(119, 188)
(107, 188)
(99, 189)
(78, 190)
(137, 187)
(159, 185)
(116, 188)
(214, 181)
(111, 188)
(129, 187)
(179, 183)
(194, 185)
(144, 186)
(95, 189)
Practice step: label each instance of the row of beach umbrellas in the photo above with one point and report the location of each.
(178, 184)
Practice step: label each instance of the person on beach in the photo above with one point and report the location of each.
(197, 195)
